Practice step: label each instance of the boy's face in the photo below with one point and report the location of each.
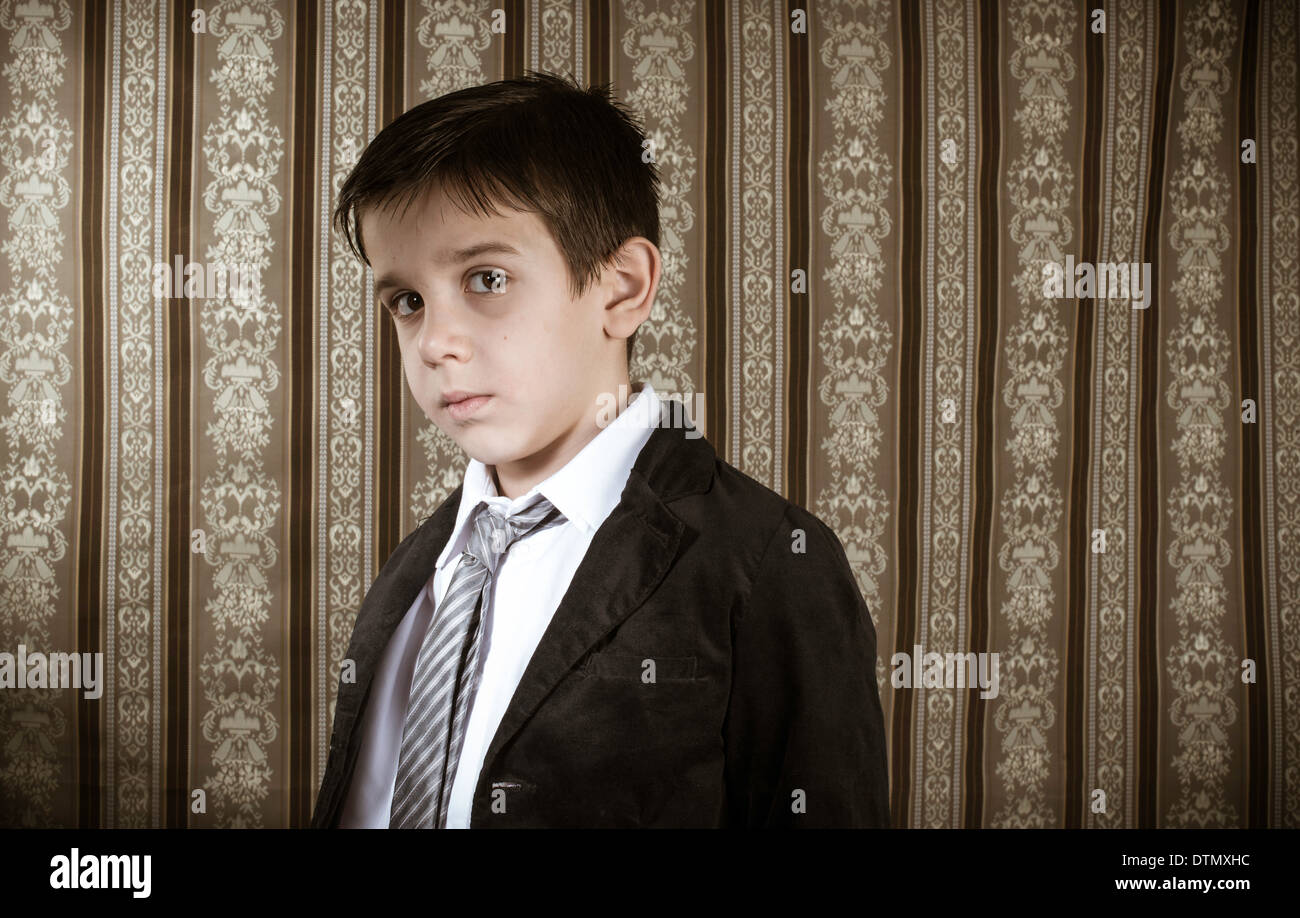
(497, 324)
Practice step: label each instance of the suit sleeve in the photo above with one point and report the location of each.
(804, 733)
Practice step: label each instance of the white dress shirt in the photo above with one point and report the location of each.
(532, 578)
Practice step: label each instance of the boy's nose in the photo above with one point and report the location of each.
(441, 336)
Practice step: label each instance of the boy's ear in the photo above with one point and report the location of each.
(633, 280)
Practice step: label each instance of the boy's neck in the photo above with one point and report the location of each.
(517, 478)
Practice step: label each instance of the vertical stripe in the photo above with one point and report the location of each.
(949, 275)
(369, 474)
(1201, 693)
(345, 336)
(1276, 792)
(1039, 184)
(87, 598)
(320, 673)
(111, 300)
(988, 259)
(1149, 719)
(929, 796)
(299, 497)
(717, 222)
(911, 161)
(391, 495)
(241, 685)
(1109, 649)
(779, 317)
(659, 75)
(579, 33)
(1278, 271)
(41, 404)
(798, 251)
(928, 736)
(735, 327)
(1077, 536)
(514, 48)
(1131, 717)
(535, 34)
(1252, 607)
(179, 203)
(600, 39)
(970, 268)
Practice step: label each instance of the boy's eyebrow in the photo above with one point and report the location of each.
(455, 257)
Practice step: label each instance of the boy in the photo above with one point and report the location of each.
(605, 624)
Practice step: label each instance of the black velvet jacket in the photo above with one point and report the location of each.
(760, 708)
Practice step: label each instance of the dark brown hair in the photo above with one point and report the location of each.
(538, 143)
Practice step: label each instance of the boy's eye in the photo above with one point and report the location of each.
(494, 280)
(415, 304)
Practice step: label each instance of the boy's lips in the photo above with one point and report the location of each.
(457, 395)
(461, 405)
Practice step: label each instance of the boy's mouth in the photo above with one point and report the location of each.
(461, 405)
(451, 396)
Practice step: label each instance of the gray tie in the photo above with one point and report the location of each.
(436, 715)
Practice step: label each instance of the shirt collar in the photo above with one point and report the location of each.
(586, 490)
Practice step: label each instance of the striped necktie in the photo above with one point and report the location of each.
(446, 670)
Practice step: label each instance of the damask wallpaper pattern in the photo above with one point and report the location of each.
(860, 199)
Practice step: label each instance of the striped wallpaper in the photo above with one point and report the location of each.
(860, 198)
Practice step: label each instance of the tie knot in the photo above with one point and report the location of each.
(494, 532)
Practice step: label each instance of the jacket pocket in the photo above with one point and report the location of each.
(645, 668)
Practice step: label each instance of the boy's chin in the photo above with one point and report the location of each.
(484, 447)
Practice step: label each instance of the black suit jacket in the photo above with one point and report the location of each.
(763, 709)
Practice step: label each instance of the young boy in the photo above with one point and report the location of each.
(605, 624)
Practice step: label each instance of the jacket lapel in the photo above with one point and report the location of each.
(628, 557)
